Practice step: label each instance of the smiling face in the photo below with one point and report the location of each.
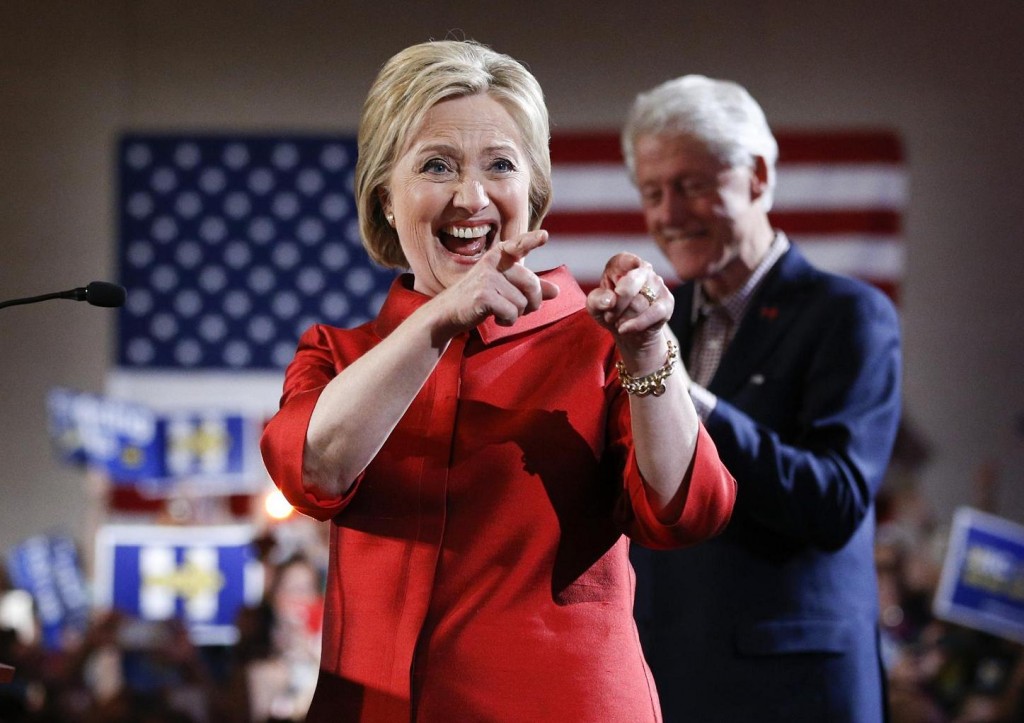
(704, 214)
(461, 183)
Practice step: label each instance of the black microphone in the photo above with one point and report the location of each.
(97, 293)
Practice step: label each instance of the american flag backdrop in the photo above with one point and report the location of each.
(839, 194)
(231, 245)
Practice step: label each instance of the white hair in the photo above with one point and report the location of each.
(719, 113)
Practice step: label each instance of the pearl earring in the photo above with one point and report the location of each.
(391, 219)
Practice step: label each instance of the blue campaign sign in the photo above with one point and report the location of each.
(211, 451)
(47, 567)
(121, 438)
(219, 450)
(982, 583)
(201, 575)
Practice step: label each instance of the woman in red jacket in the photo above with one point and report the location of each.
(483, 449)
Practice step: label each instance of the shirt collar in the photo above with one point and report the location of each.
(402, 301)
(735, 304)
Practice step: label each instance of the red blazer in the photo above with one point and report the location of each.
(478, 566)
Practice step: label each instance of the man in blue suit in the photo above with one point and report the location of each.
(796, 375)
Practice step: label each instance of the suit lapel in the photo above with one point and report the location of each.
(772, 311)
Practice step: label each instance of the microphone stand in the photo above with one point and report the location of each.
(97, 293)
(41, 297)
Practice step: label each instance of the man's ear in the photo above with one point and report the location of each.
(759, 178)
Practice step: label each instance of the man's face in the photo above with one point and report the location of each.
(702, 212)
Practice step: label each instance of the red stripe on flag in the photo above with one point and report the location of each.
(794, 222)
(128, 498)
(888, 287)
(849, 146)
(586, 147)
(837, 221)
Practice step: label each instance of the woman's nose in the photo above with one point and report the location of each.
(471, 195)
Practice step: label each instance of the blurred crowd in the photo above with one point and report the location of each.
(937, 671)
(123, 671)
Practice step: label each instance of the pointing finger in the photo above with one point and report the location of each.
(619, 265)
(515, 250)
(633, 281)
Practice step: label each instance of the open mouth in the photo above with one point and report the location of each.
(467, 241)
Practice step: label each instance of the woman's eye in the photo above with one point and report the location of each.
(436, 165)
(503, 165)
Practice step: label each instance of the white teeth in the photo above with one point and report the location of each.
(467, 231)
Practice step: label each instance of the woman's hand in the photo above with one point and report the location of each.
(634, 304)
(498, 285)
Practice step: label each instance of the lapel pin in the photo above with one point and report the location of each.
(757, 379)
(769, 312)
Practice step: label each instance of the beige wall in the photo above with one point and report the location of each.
(947, 75)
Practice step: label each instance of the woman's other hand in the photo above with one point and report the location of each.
(634, 304)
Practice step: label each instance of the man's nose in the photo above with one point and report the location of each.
(671, 210)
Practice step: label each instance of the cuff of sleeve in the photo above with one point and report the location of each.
(282, 445)
(709, 502)
(703, 401)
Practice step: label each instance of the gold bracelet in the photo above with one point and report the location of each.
(653, 383)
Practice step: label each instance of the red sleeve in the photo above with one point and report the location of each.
(709, 501)
(316, 362)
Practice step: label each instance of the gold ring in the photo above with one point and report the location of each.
(648, 293)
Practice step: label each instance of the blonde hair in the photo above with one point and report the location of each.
(409, 85)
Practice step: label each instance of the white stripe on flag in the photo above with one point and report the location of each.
(586, 255)
(834, 186)
(241, 392)
(805, 186)
(879, 258)
(593, 186)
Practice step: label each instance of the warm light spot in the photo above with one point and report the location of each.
(277, 506)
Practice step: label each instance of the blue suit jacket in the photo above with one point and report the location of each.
(776, 619)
